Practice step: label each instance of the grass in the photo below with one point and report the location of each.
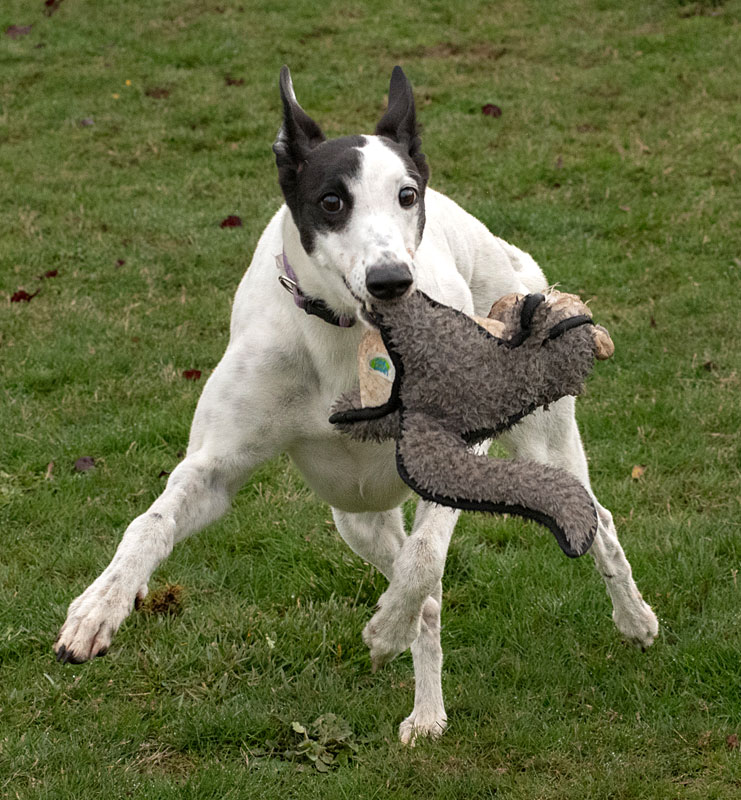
(615, 162)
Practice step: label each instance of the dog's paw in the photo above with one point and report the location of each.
(637, 624)
(93, 618)
(391, 631)
(425, 722)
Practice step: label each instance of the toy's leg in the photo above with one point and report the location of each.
(378, 538)
(553, 437)
(439, 467)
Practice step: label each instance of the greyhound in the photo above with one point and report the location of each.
(359, 225)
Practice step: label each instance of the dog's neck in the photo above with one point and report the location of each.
(306, 280)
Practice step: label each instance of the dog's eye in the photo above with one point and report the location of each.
(407, 197)
(331, 203)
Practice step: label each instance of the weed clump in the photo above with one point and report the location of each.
(166, 600)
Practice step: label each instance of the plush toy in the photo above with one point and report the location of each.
(438, 381)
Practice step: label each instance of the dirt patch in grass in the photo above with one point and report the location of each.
(155, 757)
(166, 600)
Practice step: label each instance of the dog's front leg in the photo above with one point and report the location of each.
(197, 493)
(378, 538)
(226, 444)
(418, 572)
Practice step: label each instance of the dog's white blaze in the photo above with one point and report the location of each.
(380, 229)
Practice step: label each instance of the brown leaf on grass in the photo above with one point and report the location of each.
(87, 122)
(709, 366)
(732, 741)
(84, 463)
(230, 81)
(52, 6)
(192, 374)
(49, 471)
(16, 31)
(50, 273)
(490, 110)
(22, 296)
(167, 600)
(232, 221)
(120, 262)
(637, 472)
(157, 92)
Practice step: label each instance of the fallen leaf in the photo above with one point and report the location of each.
(22, 296)
(120, 262)
(157, 92)
(49, 471)
(490, 110)
(559, 163)
(50, 273)
(51, 6)
(652, 322)
(192, 374)
(637, 471)
(16, 31)
(233, 81)
(232, 221)
(624, 208)
(732, 741)
(87, 122)
(84, 463)
(709, 366)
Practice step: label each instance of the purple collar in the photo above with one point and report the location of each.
(311, 305)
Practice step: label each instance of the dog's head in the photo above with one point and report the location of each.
(357, 201)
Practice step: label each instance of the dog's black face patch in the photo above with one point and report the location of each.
(327, 170)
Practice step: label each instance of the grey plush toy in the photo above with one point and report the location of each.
(439, 381)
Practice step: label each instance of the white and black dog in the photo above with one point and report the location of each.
(359, 224)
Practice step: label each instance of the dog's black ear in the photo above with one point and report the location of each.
(298, 134)
(399, 123)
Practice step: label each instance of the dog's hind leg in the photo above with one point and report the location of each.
(553, 437)
(378, 538)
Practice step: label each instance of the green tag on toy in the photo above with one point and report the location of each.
(381, 365)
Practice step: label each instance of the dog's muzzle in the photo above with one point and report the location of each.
(388, 281)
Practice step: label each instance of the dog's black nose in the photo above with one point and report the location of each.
(388, 281)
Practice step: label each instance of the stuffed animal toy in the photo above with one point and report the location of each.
(438, 382)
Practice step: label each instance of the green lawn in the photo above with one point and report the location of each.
(616, 162)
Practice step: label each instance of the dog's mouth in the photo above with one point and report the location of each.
(371, 312)
(365, 309)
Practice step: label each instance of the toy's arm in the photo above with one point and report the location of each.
(369, 423)
(524, 316)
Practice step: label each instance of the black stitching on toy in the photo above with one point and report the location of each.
(568, 324)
